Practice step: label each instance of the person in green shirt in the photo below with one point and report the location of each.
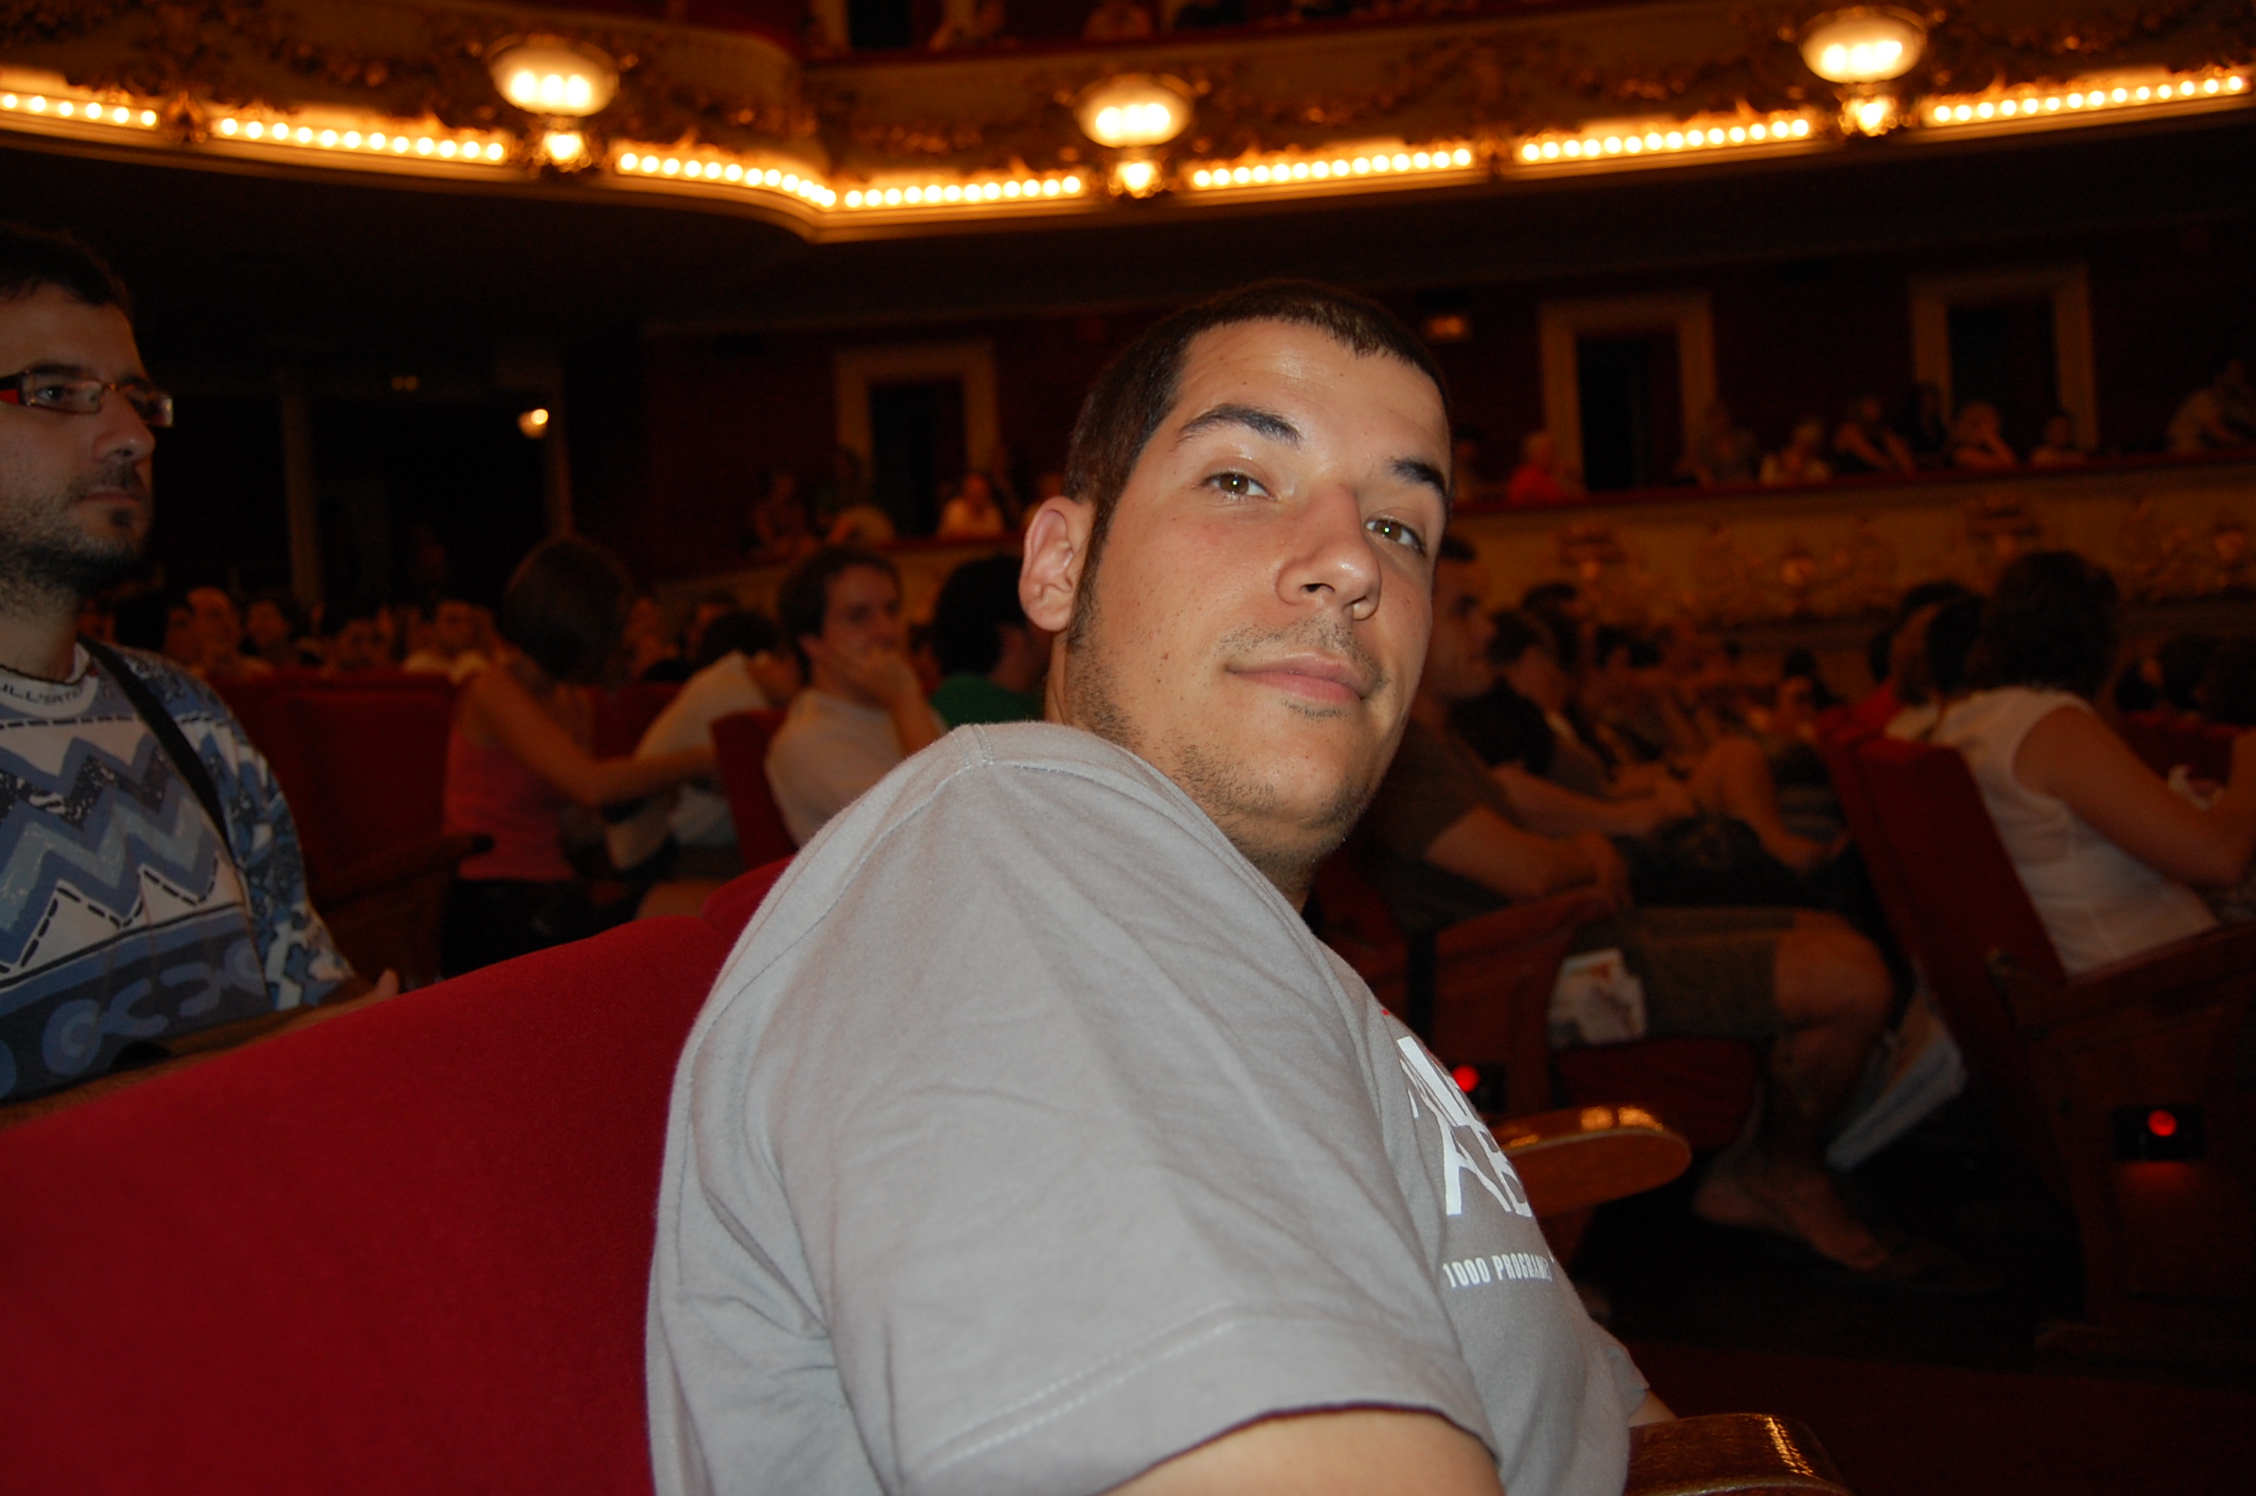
(991, 659)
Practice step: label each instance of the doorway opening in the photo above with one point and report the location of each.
(916, 447)
(1628, 395)
(2001, 354)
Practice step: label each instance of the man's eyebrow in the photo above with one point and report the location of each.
(1418, 470)
(1263, 422)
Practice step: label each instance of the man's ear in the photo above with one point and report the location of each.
(1057, 548)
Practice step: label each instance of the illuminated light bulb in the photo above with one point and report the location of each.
(378, 142)
(1572, 148)
(914, 194)
(672, 168)
(1531, 152)
(304, 136)
(1261, 173)
(2075, 101)
(1715, 137)
(1422, 160)
(1613, 145)
(1202, 177)
(790, 181)
(563, 146)
(120, 115)
(892, 197)
(2235, 84)
(1300, 171)
(1801, 127)
(2052, 105)
(2209, 87)
(399, 145)
(735, 173)
(1339, 166)
(495, 151)
(352, 139)
(2009, 108)
(446, 149)
(227, 127)
(953, 194)
(1738, 135)
(328, 139)
(148, 116)
(853, 199)
(1401, 163)
(1321, 171)
(1550, 150)
(2119, 95)
(1052, 188)
(1652, 140)
(7, 101)
(1012, 189)
(2144, 94)
(66, 109)
(1462, 156)
(993, 191)
(1760, 132)
(629, 162)
(693, 169)
(423, 146)
(1675, 140)
(38, 104)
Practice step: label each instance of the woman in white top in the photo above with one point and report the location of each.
(2104, 846)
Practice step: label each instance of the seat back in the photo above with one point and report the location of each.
(1966, 918)
(405, 1249)
(729, 908)
(624, 715)
(375, 768)
(740, 742)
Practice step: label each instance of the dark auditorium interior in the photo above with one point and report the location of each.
(1783, 344)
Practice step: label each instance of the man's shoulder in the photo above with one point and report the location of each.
(182, 694)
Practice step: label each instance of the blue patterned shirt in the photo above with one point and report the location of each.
(124, 915)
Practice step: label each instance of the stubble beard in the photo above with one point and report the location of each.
(47, 557)
(1285, 847)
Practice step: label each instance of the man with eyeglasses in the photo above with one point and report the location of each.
(151, 888)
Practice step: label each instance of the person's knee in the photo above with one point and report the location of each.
(1828, 974)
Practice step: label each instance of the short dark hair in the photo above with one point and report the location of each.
(2050, 622)
(736, 632)
(33, 259)
(1950, 635)
(803, 601)
(1134, 393)
(1881, 647)
(566, 608)
(979, 597)
(1517, 632)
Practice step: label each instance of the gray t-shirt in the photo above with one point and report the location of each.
(1029, 1138)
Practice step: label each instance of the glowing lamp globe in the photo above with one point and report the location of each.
(1863, 46)
(1133, 111)
(549, 78)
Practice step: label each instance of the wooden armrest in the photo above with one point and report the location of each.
(399, 865)
(1728, 1452)
(2225, 954)
(1522, 924)
(1570, 1160)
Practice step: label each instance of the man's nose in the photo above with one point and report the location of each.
(1334, 558)
(120, 431)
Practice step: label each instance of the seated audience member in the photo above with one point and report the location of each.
(863, 708)
(1117, 21)
(1930, 664)
(1043, 996)
(2228, 685)
(2105, 848)
(1722, 454)
(1731, 778)
(1537, 480)
(746, 670)
(1977, 441)
(2059, 447)
(1862, 443)
(702, 613)
(1448, 842)
(781, 528)
(973, 513)
(1883, 659)
(275, 625)
(2220, 414)
(449, 646)
(154, 880)
(219, 632)
(1924, 426)
(519, 755)
(991, 659)
(982, 28)
(358, 643)
(1802, 459)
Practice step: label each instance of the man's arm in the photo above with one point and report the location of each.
(1553, 810)
(1484, 847)
(1351, 1452)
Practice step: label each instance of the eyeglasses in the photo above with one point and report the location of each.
(77, 395)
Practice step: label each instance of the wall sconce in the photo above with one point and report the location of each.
(1863, 50)
(1863, 46)
(555, 79)
(1133, 110)
(534, 423)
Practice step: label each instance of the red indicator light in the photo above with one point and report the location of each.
(2162, 1123)
(1465, 1076)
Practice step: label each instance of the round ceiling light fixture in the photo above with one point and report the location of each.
(1134, 110)
(1863, 45)
(543, 75)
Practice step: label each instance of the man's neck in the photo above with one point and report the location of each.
(38, 633)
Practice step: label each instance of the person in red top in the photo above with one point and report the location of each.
(519, 755)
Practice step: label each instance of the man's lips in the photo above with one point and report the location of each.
(1317, 677)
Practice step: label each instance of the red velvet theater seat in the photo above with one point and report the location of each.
(403, 1250)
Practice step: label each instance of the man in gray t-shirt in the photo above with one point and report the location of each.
(1029, 1142)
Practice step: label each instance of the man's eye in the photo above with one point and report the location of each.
(1398, 532)
(65, 392)
(1236, 484)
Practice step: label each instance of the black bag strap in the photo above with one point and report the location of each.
(169, 736)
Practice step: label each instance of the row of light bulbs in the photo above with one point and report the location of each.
(2035, 104)
(1551, 149)
(375, 142)
(1695, 136)
(1276, 171)
(91, 110)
